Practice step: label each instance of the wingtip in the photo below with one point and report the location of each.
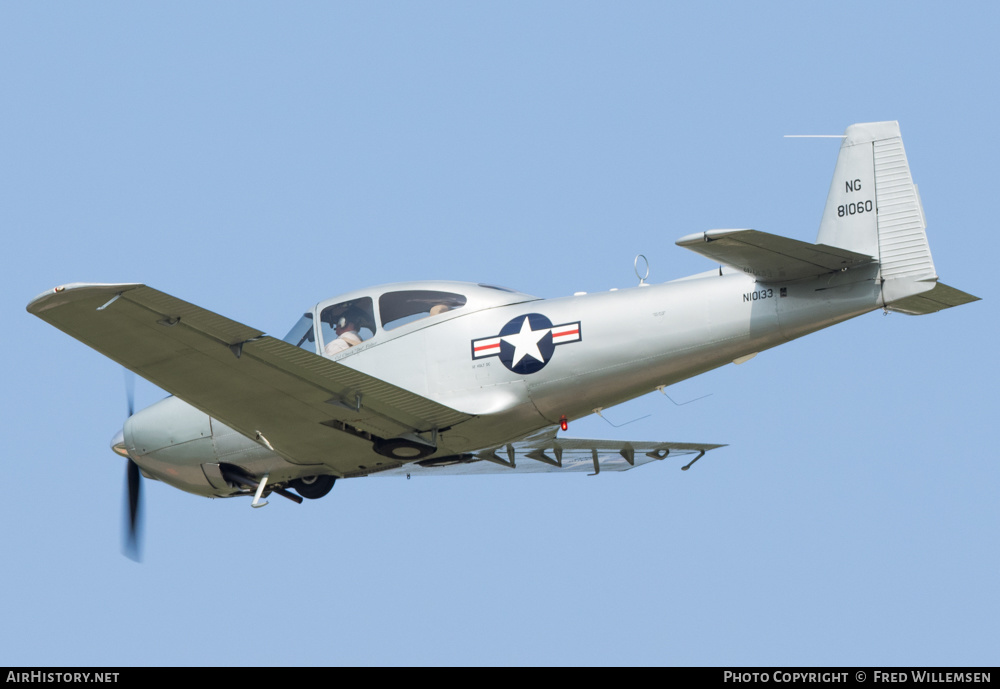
(75, 290)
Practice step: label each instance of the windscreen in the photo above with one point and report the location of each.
(303, 334)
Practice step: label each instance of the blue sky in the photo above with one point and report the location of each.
(255, 158)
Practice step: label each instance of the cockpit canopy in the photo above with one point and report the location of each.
(389, 310)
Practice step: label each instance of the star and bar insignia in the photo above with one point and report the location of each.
(526, 343)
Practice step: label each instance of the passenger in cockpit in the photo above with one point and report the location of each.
(347, 333)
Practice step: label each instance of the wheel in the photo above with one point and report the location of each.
(313, 487)
(404, 450)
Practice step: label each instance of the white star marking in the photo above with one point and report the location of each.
(526, 343)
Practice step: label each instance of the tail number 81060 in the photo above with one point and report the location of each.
(855, 208)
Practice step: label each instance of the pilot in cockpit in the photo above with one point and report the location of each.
(346, 327)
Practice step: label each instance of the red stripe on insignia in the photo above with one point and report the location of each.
(492, 346)
(574, 331)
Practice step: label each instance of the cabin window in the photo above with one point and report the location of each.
(400, 308)
(303, 334)
(347, 324)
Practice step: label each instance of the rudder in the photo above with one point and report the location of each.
(874, 208)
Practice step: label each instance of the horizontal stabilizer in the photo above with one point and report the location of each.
(769, 257)
(939, 298)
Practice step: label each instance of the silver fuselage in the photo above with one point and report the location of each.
(631, 342)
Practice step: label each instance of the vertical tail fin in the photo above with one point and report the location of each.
(874, 208)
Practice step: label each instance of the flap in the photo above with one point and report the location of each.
(546, 453)
(771, 258)
(234, 373)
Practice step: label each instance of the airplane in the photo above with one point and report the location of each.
(436, 378)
